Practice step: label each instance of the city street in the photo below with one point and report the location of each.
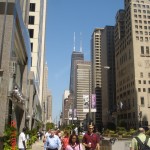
(38, 145)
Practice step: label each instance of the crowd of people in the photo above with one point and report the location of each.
(54, 140)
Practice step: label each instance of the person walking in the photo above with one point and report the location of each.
(22, 140)
(141, 138)
(45, 137)
(53, 142)
(65, 140)
(90, 139)
(74, 143)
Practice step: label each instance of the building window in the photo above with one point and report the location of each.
(144, 90)
(147, 50)
(149, 75)
(142, 100)
(144, 82)
(31, 33)
(31, 19)
(142, 49)
(148, 90)
(32, 6)
(141, 74)
(31, 61)
(139, 81)
(31, 47)
(139, 89)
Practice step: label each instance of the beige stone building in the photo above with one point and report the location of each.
(132, 52)
(82, 87)
(49, 107)
(66, 105)
(37, 28)
(96, 74)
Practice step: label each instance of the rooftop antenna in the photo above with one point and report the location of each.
(74, 42)
(80, 42)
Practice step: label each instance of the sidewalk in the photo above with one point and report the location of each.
(38, 145)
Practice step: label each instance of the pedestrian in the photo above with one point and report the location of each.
(58, 133)
(47, 134)
(38, 135)
(65, 140)
(53, 142)
(74, 143)
(22, 140)
(90, 139)
(135, 143)
(41, 134)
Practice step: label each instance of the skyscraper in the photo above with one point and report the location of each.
(132, 52)
(37, 27)
(97, 74)
(108, 75)
(47, 98)
(82, 72)
(75, 56)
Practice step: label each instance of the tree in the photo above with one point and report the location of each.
(49, 125)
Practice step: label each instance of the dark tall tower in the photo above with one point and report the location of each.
(75, 56)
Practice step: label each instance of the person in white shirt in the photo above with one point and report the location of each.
(22, 140)
(48, 133)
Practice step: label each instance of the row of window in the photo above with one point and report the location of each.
(31, 21)
(142, 75)
(140, 16)
(141, 32)
(144, 81)
(144, 90)
(142, 39)
(140, 11)
(142, 27)
(144, 21)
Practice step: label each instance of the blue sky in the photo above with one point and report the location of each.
(64, 17)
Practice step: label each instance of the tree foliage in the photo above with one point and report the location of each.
(49, 125)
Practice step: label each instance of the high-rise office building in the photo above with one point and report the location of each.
(82, 72)
(96, 74)
(37, 27)
(47, 98)
(108, 75)
(132, 53)
(75, 56)
(66, 105)
(49, 107)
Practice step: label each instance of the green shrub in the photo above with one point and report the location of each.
(111, 132)
(8, 135)
(114, 135)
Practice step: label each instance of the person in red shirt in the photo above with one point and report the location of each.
(90, 140)
(65, 140)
